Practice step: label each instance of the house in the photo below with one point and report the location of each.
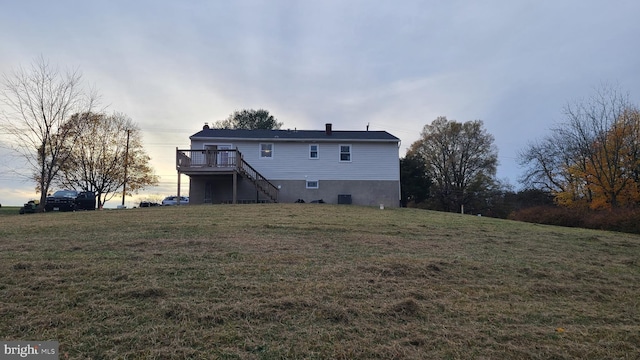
(338, 167)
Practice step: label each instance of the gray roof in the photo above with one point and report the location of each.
(294, 135)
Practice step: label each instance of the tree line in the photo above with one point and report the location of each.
(591, 160)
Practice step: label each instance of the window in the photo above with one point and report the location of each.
(313, 151)
(266, 151)
(345, 153)
(312, 184)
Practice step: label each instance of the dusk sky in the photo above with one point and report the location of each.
(396, 65)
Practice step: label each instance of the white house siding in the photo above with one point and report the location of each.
(290, 161)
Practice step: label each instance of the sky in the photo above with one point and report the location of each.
(393, 65)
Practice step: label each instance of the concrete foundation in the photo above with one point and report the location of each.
(219, 189)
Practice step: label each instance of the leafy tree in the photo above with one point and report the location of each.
(414, 179)
(461, 160)
(591, 159)
(104, 145)
(249, 120)
(39, 101)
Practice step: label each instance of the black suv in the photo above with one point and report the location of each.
(70, 200)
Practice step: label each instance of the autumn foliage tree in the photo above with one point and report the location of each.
(610, 172)
(593, 158)
(104, 145)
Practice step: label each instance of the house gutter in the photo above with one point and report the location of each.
(305, 140)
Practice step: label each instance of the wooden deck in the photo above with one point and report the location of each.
(203, 161)
(222, 162)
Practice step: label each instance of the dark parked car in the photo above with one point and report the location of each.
(148, 204)
(71, 200)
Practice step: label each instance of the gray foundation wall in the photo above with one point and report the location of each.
(219, 189)
(361, 192)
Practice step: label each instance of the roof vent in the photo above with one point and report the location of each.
(327, 128)
(206, 126)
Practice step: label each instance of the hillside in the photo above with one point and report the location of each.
(316, 281)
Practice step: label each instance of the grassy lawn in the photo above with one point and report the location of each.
(314, 281)
(8, 210)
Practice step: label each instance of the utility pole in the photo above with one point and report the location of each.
(126, 163)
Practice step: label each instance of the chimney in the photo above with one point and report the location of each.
(206, 126)
(327, 128)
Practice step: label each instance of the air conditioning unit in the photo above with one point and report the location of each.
(344, 199)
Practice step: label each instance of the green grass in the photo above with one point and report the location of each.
(306, 281)
(9, 210)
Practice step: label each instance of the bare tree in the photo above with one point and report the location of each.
(38, 101)
(461, 160)
(107, 153)
(548, 162)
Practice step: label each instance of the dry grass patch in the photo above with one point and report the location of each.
(316, 282)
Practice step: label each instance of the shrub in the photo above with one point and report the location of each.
(622, 220)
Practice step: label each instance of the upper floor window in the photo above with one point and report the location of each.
(313, 151)
(345, 153)
(266, 150)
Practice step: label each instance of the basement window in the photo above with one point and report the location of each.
(312, 184)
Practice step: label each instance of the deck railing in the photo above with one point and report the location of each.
(230, 159)
(206, 158)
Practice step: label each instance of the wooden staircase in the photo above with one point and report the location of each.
(261, 183)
